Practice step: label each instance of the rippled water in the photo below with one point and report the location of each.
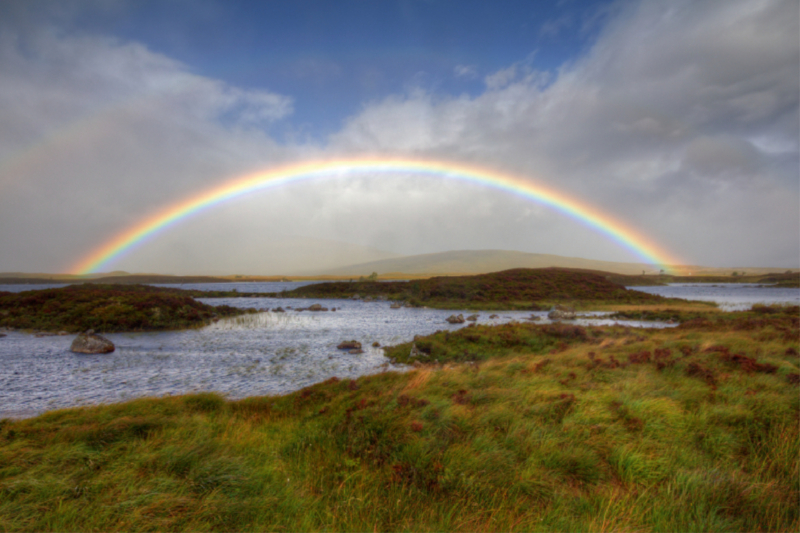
(729, 296)
(266, 353)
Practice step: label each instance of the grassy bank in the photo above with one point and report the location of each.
(776, 279)
(107, 308)
(556, 428)
(521, 288)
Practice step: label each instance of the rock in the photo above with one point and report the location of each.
(349, 345)
(2, 335)
(63, 333)
(90, 342)
(317, 307)
(414, 353)
(534, 318)
(278, 310)
(453, 319)
(561, 313)
(355, 351)
(396, 306)
(493, 316)
(472, 318)
(376, 344)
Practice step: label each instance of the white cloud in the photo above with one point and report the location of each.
(682, 120)
(466, 71)
(673, 104)
(97, 133)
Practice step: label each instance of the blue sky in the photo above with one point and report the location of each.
(678, 118)
(332, 57)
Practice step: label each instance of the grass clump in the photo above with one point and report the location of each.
(692, 428)
(107, 308)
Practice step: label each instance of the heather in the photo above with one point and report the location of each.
(520, 427)
(107, 308)
(521, 288)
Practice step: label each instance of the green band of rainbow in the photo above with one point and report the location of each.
(644, 248)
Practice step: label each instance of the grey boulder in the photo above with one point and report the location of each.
(90, 342)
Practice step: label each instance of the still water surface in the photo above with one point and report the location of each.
(266, 353)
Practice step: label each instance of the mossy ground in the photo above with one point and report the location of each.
(558, 429)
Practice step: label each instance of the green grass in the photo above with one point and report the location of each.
(689, 429)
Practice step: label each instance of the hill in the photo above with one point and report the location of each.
(482, 261)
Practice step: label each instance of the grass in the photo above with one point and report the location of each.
(555, 428)
(786, 279)
(107, 308)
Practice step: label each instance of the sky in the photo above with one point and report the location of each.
(677, 118)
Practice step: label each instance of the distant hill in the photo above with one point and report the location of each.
(482, 261)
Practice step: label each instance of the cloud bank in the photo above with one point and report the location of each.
(682, 119)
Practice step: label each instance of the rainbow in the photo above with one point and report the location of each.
(135, 235)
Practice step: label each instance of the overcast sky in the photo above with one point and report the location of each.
(679, 118)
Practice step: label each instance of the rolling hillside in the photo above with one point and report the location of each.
(481, 261)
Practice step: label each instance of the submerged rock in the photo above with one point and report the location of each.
(90, 342)
(355, 351)
(349, 345)
(473, 318)
(453, 319)
(561, 313)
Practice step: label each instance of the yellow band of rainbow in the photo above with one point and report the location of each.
(627, 237)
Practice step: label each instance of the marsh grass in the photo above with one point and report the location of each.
(611, 429)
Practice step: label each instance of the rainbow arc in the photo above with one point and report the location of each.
(644, 248)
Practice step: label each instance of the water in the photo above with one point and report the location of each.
(265, 353)
(729, 296)
(250, 286)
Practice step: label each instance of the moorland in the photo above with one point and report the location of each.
(517, 428)
(513, 427)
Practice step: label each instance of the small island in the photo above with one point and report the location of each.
(515, 289)
(108, 308)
